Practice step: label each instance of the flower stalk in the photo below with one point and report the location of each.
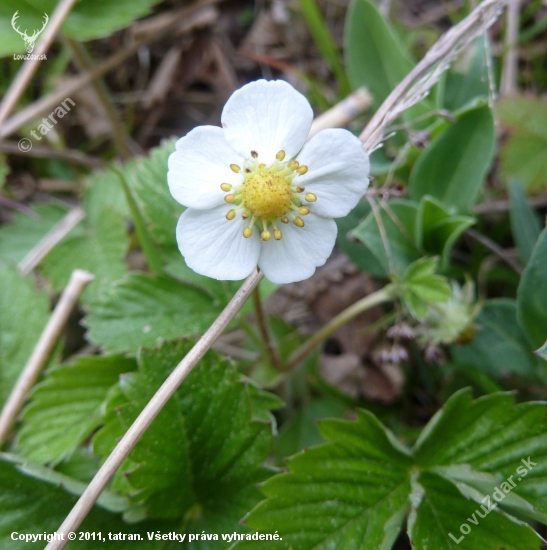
(381, 296)
(264, 330)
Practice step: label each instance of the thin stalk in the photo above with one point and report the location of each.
(376, 298)
(152, 409)
(78, 281)
(264, 330)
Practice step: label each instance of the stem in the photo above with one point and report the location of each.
(263, 326)
(78, 281)
(368, 302)
(152, 409)
(50, 240)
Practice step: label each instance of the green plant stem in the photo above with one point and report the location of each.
(386, 294)
(264, 330)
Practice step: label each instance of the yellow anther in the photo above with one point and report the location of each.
(245, 215)
(302, 169)
(230, 198)
(299, 222)
(235, 168)
(265, 236)
(247, 232)
(293, 165)
(225, 186)
(300, 189)
(277, 234)
(310, 197)
(262, 166)
(284, 219)
(303, 211)
(231, 214)
(254, 154)
(280, 156)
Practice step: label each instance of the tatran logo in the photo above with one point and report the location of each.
(30, 41)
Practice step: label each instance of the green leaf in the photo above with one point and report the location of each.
(30, 503)
(437, 520)
(532, 294)
(141, 311)
(468, 77)
(421, 286)
(151, 254)
(24, 312)
(398, 220)
(348, 493)
(499, 345)
(453, 166)
(354, 491)
(375, 58)
(360, 255)
(89, 19)
(98, 246)
(525, 224)
(65, 406)
(208, 470)
(301, 430)
(147, 180)
(20, 236)
(437, 231)
(324, 42)
(524, 154)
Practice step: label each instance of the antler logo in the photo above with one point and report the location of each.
(29, 40)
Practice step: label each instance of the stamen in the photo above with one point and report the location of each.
(310, 197)
(262, 166)
(284, 219)
(225, 186)
(299, 222)
(300, 189)
(280, 156)
(247, 232)
(231, 214)
(303, 211)
(230, 198)
(245, 215)
(293, 165)
(277, 234)
(265, 236)
(235, 168)
(302, 169)
(254, 154)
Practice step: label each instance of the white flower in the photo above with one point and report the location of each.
(256, 178)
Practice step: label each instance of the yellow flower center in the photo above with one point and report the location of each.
(268, 196)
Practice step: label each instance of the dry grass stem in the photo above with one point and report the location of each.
(78, 281)
(339, 115)
(509, 74)
(152, 409)
(40, 251)
(416, 85)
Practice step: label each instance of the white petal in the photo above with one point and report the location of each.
(299, 252)
(267, 117)
(214, 246)
(200, 164)
(337, 173)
